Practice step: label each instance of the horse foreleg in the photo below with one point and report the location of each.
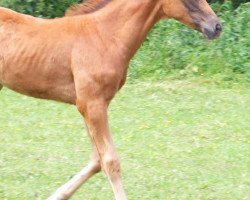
(95, 113)
(68, 189)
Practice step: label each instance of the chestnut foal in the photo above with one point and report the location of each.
(82, 59)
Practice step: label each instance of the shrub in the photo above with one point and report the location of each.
(56, 8)
(171, 47)
(235, 3)
(40, 8)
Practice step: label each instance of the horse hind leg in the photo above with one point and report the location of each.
(68, 189)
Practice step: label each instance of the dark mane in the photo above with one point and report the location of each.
(87, 6)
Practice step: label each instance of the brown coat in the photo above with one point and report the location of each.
(83, 58)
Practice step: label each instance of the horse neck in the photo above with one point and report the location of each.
(128, 22)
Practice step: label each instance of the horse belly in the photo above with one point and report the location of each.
(39, 75)
(41, 85)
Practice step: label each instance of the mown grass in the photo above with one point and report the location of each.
(182, 140)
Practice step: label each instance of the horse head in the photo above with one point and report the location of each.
(194, 13)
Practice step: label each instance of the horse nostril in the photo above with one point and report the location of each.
(218, 28)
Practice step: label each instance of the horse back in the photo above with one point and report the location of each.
(10, 16)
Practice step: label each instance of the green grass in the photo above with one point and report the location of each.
(180, 140)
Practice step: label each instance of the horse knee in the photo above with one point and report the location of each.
(112, 166)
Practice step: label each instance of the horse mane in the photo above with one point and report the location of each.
(87, 6)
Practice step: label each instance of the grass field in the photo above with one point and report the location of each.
(180, 140)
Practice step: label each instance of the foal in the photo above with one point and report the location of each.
(82, 59)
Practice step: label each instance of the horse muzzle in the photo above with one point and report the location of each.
(211, 28)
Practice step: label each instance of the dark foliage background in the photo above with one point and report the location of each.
(56, 8)
(40, 8)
